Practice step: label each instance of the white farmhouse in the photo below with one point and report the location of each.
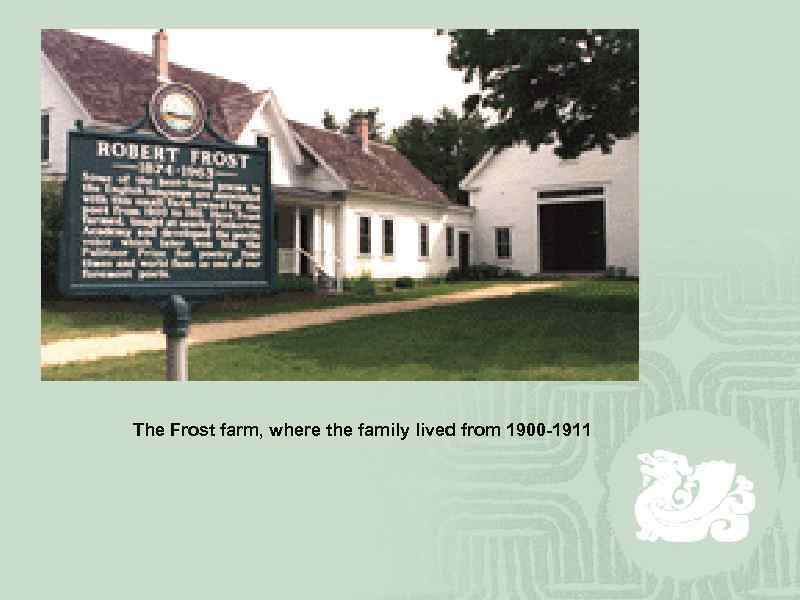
(346, 205)
(537, 213)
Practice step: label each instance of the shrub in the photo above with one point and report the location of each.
(489, 271)
(454, 274)
(481, 272)
(52, 220)
(295, 283)
(511, 274)
(616, 272)
(363, 285)
(404, 283)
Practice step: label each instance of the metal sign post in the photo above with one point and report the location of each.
(177, 314)
(175, 216)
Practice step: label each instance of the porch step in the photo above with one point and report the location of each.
(326, 285)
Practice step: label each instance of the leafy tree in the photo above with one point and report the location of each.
(329, 121)
(576, 88)
(444, 149)
(375, 126)
(52, 213)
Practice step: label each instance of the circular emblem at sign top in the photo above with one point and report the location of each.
(177, 112)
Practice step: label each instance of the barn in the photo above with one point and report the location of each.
(538, 213)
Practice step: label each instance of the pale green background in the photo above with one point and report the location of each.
(92, 512)
(687, 433)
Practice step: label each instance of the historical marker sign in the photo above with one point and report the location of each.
(148, 215)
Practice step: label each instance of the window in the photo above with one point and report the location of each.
(423, 240)
(502, 242)
(364, 236)
(45, 137)
(450, 240)
(388, 237)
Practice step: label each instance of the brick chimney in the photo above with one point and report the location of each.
(161, 56)
(362, 132)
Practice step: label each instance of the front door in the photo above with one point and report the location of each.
(463, 250)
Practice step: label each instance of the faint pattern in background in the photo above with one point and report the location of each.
(530, 517)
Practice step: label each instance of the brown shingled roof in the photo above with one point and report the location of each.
(114, 83)
(237, 111)
(382, 169)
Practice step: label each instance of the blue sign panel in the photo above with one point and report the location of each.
(144, 215)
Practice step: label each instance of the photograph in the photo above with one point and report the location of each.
(279, 205)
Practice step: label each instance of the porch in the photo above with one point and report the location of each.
(306, 235)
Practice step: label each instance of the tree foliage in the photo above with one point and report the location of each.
(329, 121)
(444, 149)
(371, 114)
(576, 88)
(52, 213)
(348, 127)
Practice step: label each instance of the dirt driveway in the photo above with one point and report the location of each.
(95, 348)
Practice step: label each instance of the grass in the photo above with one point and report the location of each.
(63, 319)
(586, 330)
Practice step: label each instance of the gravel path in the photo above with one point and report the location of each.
(95, 348)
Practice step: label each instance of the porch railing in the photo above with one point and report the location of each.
(288, 258)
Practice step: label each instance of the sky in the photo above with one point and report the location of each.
(404, 72)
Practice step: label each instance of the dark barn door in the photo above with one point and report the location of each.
(463, 250)
(572, 236)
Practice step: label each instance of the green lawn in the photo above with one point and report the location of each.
(61, 319)
(586, 330)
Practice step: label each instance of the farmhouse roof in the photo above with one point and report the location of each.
(382, 169)
(113, 84)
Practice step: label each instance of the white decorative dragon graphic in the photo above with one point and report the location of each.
(682, 503)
